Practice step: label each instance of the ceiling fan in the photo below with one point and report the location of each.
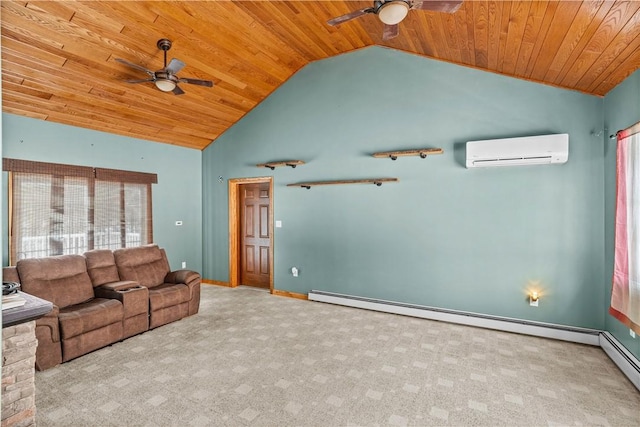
(166, 79)
(392, 12)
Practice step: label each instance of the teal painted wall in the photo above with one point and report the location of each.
(444, 236)
(622, 109)
(176, 196)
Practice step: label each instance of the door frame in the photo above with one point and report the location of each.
(234, 227)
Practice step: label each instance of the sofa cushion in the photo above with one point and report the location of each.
(167, 295)
(89, 316)
(62, 279)
(144, 264)
(101, 266)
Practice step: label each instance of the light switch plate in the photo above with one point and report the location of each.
(278, 224)
(632, 333)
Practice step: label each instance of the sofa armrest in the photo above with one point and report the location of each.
(192, 280)
(10, 274)
(182, 276)
(50, 322)
(49, 350)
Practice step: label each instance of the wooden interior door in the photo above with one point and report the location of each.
(255, 240)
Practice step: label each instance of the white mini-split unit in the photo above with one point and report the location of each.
(530, 150)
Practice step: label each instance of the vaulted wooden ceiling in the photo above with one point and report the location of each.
(58, 57)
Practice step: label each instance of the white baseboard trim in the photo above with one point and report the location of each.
(624, 360)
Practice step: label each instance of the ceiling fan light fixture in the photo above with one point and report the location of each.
(165, 85)
(393, 12)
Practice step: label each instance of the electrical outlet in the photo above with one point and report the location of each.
(633, 334)
(184, 264)
(534, 298)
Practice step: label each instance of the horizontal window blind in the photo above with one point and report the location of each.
(65, 209)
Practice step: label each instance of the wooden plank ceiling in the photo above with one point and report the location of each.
(58, 57)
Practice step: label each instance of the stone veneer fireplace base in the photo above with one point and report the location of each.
(18, 375)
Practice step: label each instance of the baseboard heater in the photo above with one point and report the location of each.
(627, 363)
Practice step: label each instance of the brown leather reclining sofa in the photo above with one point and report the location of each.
(103, 297)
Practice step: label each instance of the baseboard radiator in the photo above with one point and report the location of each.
(626, 361)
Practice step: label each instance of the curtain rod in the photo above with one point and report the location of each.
(631, 130)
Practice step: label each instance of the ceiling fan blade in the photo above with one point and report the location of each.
(437, 6)
(390, 31)
(139, 81)
(207, 83)
(174, 66)
(177, 91)
(136, 66)
(350, 16)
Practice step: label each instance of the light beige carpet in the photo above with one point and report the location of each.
(249, 358)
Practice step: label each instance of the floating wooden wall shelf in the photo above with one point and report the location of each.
(273, 165)
(422, 152)
(376, 181)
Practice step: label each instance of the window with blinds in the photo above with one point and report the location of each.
(63, 209)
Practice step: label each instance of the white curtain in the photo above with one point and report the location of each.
(625, 295)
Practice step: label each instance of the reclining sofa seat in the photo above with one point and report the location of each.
(93, 307)
(49, 350)
(85, 322)
(172, 294)
(101, 266)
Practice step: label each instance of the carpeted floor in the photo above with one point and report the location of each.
(249, 358)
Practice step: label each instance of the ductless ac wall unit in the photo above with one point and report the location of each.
(529, 150)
